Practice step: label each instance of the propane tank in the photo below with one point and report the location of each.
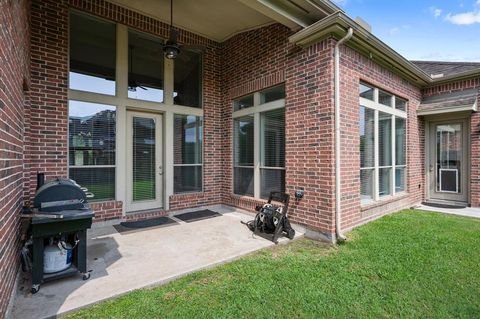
(57, 257)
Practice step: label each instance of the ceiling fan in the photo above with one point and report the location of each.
(132, 83)
(172, 48)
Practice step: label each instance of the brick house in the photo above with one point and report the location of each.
(257, 104)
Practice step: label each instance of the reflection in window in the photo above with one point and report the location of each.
(145, 67)
(91, 147)
(400, 104)
(243, 156)
(272, 94)
(366, 92)
(243, 103)
(92, 54)
(384, 98)
(188, 79)
(188, 137)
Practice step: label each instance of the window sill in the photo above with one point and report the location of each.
(186, 194)
(383, 201)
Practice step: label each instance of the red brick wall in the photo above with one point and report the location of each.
(46, 130)
(14, 75)
(474, 132)
(259, 59)
(355, 68)
(46, 136)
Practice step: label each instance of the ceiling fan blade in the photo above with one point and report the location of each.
(142, 87)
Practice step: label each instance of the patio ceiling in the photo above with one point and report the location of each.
(220, 19)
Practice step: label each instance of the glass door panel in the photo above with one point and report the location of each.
(144, 162)
(449, 158)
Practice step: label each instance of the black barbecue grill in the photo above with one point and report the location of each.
(59, 209)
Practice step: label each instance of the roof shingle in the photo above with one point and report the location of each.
(446, 68)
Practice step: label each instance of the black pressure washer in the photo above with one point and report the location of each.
(271, 220)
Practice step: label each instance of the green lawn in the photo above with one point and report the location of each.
(407, 265)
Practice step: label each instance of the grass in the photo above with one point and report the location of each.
(410, 265)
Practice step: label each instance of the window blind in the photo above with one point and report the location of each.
(188, 148)
(243, 151)
(91, 146)
(144, 159)
(272, 164)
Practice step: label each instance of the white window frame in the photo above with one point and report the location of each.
(256, 111)
(191, 165)
(393, 112)
(123, 104)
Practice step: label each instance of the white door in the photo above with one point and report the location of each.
(144, 161)
(448, 167)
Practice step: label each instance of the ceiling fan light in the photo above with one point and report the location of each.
(171, 51)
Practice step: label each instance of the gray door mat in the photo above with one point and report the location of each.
(142, 224)
(197, 215)
(437, 205)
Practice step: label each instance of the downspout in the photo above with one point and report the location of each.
(338, 193)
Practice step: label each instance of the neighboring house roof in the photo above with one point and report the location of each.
(436, 68)
(337, 25)
(465, 100)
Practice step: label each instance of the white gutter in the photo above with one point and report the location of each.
(338, 193)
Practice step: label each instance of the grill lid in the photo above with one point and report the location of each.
(58, 195)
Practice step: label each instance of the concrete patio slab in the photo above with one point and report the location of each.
(122, 262)
(467, 211)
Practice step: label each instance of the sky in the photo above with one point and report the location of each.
(435, 30)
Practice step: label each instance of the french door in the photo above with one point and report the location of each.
(144, 161)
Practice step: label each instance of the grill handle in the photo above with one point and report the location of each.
(40, 180)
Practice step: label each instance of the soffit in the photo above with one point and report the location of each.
(220, 19)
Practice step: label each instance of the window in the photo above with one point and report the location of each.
(125, 68)
(92, 54)
(382, 144)
(400, 150)
(400, 104)
(145, 67)
(272, 158)
(367, 151)
(188, 79)
(259, 143)
(243, 155)
(188, 137)
(384, 98)
(366, 91)
(91, 152)
(243, 103)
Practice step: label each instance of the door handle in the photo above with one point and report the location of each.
(160, 170)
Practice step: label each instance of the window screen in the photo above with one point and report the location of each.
(188, 138)
(91, 153)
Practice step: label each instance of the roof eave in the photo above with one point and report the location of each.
(337, 24)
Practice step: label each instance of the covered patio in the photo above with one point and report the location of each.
(123, 261)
